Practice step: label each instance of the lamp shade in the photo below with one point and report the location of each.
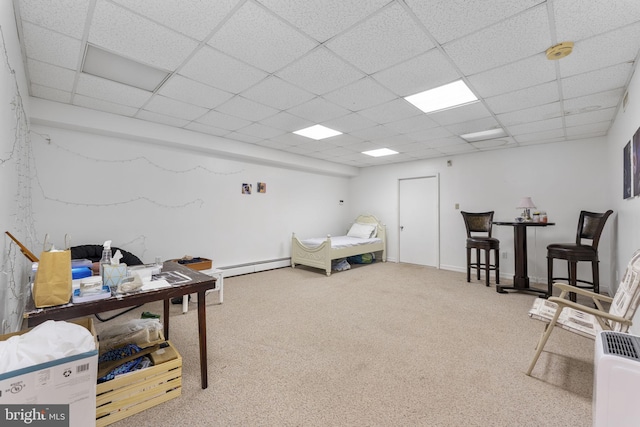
(526, 202)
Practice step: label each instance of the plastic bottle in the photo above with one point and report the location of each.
(106, 255)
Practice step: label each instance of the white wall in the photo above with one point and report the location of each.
(561, 178)
(156, 200)
(14, 172)
(627, 227)
(626, 124)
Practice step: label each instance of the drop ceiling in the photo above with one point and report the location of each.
(254, 71)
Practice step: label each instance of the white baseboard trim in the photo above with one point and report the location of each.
(237, 270)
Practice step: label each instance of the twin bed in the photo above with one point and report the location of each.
(366, 235)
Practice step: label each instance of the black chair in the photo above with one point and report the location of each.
(479, 238)
(590, 226)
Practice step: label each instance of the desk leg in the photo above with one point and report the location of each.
(166, 319)
(202, 334)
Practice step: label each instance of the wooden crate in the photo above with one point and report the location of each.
(202, 264)
(137, 391)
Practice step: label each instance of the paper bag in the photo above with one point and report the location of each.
(52, 284)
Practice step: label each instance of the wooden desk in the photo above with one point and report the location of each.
(521, 278)
(200, 283)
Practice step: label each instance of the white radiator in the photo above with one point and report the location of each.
(616, 380)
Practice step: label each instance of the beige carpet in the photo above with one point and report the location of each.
(379, 345)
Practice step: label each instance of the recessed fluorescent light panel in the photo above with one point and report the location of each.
(101, 63)
(444, 97)
(380, 152)
(484, 135)
(317, 132)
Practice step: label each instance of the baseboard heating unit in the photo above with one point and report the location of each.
(616, 380)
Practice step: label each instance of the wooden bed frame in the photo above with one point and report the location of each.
(322, 255)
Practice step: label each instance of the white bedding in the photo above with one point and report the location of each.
(338, 242)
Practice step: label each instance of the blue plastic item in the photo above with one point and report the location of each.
(81, 272)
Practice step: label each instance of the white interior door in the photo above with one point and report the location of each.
(419, 237)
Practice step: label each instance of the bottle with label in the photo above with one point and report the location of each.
(106, 255)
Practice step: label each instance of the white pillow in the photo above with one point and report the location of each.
(363, 231)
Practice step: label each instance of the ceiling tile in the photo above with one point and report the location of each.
(211, 130)
(223, 121)
(173, 108)
(318, 110)
(456, 148)
(349, 123)
(261, 131)
(276, 145)
(277, 93)
(589, 130)
(604, 115)
(528, 72)
(492, 144)
(49, 75)
(471, 111)
(540, 137)
(320, 71)
(50, 93)
(392, 111)
(597, 52)
(63, 16)
(450, 19)
(50, 47)
(418, 74)
(345, 140)
(290, 139)
(596, 101)
(259, 38)
(195, 18)
(344, 64)
(539, 126)
(244, 138)
(161, 118)
(362, 94)
(430, 134)
(494, 46)
(524, 98)
(596, 81)
(471, 126)
(579, 19)
(118, 93)
(375, 132)
(287, 122)
(221, 71)
(114, 28)
(415, 123)
(385, 39)
(322, 19)
(109, 107)
(393, 141)
(190, 91)
(534, 114)
(246, 109)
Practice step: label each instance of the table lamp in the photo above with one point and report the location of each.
(526, 203)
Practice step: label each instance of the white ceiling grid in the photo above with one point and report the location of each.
(256, 70)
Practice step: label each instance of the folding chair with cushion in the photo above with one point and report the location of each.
(586, 320)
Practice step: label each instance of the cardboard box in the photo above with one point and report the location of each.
(199, 264)
(137, 391)
(70, 380)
